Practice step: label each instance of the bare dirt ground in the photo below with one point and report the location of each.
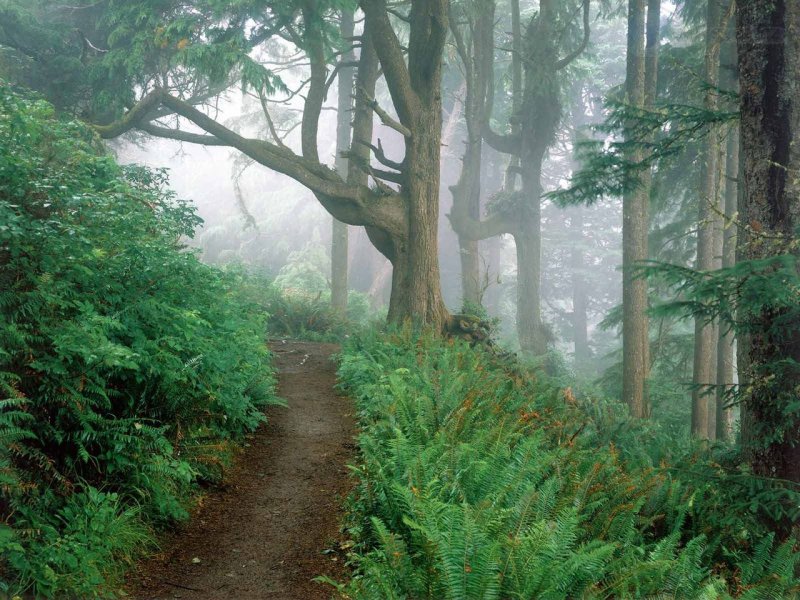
(263, 533)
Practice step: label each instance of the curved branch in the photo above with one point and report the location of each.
(364, 165)
(312, 174)
(482, 229)
(567, 60)
(381, 157)
(136, 115)
(507, 144)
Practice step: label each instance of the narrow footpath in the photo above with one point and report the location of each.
(273, 526)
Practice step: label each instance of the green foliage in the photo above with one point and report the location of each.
(757, 299)
(295, 313)
(127, 367)
(70, 550)
(106, 54)
(478, 480)
(661, 134)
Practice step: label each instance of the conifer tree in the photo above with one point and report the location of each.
(769, 211)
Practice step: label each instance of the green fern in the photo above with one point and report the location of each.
(479, 481)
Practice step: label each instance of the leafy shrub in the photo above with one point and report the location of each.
(300, 314)
(477, 480)
(127, 367)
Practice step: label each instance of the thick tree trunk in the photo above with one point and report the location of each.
(509, 184)
(540, 115)
(415, 89)
(634, 236)
(725, 346)
(416, 293)
(528, 240)
(769, 63)
(705, 340)
(344, 105)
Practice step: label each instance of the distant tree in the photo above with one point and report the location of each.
(709, 223)
(533, 128)
(472, 24)
(344, 108)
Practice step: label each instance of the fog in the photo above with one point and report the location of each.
(267, 221)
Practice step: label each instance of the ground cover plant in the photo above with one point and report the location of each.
(298, 313)
(476, 479)
(128, 369)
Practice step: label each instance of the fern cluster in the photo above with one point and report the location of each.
(478, 480)
(298, 313)
(127, 367)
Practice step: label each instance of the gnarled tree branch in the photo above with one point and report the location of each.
(567, 60)
(507, 144)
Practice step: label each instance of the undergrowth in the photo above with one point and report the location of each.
(476, 480)
(304, 315)
(128, 369)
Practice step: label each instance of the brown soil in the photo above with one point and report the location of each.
(274, 525)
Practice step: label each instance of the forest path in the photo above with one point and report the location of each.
(262, 534)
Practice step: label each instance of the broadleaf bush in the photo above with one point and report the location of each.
(128, 369)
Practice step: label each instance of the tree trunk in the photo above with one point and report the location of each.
(705, 341)
(724, 414)
(469, 254)
(580, 321)
(475, 45)
(516, 91)
(540, 115)
(634, 236)
(769, 63)
(344, 106)
(528, 240)
(416, 294)
(651, 59)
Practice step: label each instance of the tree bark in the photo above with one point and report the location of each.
(416, 93)
(528, 240)
(344, 106)
(634, 235)
(727, 363)
(725, 346)
(768, 34)
(705, 341)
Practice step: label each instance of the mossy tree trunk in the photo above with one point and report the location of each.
(768, 35)
(473, 33)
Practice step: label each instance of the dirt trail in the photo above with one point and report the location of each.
(263, 534)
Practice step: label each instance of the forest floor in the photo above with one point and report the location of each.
(274, 524)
